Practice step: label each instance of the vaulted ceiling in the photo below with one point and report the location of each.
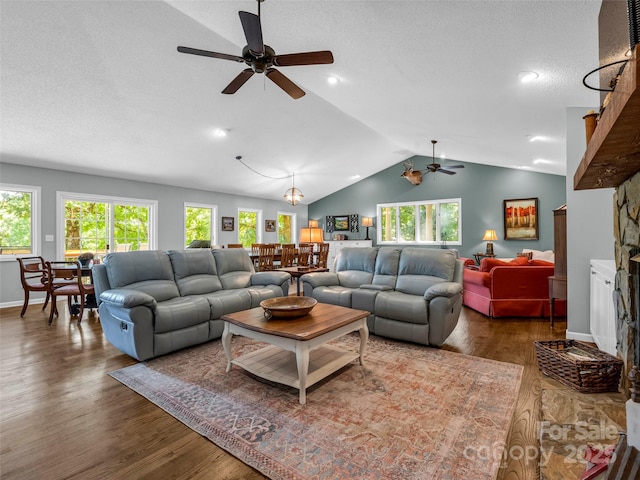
(98, 87)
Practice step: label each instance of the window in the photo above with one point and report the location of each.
(19, 221)
(430, 222)
(199, 221)
(248, 231)
(97, 224)
(286, 227)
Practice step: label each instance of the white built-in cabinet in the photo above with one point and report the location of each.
(336, 245)
(602, 312)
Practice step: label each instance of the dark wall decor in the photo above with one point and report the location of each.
(521, 219)
(228, 224)
(342, 223)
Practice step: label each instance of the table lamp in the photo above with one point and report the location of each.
(489, 235)
(367, 222)
(311, 233)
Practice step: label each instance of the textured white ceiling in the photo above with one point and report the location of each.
(98, 87)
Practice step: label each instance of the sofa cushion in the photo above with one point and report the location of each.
(335, 295)
(180, 312)
(387, 264)
(234, 268)
(402, 306)
(228, 301)
(421, 268)
(355, 266)
(519, 261)
(540, 263)
(486, 264)
(547, 255)
(194, 271)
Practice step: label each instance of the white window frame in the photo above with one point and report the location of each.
(417, 204)
(214, 220)
(62, 197)
(258, 223)
(294, 225)
(36, 245)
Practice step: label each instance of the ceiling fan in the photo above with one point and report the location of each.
(415, 176)
(436, 167)
(262, 58)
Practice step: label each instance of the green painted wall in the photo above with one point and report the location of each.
(482, 189)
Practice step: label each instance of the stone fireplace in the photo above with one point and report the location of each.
(627, 258)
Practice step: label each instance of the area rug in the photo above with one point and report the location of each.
(411, 412)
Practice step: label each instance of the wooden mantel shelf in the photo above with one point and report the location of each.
(613, 153)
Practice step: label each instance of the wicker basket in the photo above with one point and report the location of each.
(579, 366)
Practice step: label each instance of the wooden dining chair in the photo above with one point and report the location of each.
(266, 253)
(288, 255)
(235, 245)
(34, 278)
(66, 280)
(305, 253)
(323, 255)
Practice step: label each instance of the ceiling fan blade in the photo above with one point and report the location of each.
(206, 53)
(252, 32)
(455, 166)
(237, 82)
(442, 170)
(306, 58)
(285, 84)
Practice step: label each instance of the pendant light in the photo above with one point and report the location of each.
(293, 195)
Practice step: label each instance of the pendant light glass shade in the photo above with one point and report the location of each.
(293, 195)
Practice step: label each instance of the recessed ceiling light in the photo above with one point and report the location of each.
(354, 177)
(536, 138)
(526, 77)
(220, 132)
(523, 167)
(539, 161)
(333, 80)
(443, 156)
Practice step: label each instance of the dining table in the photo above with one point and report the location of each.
(298, 271)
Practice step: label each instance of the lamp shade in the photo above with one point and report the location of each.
(311, 235)
(313, 224)
(490, 235)
(367, 222)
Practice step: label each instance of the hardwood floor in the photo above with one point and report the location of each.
(62, 416)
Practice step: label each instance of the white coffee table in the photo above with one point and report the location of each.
(298, 354)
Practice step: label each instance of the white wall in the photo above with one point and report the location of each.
(589, 229)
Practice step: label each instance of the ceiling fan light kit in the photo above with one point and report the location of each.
(262, 58)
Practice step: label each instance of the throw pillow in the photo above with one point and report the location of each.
(540, 263)
(519, 261)
(488, 263)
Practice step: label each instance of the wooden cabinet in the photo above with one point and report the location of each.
(336, 245)
(558, 282)
(602, 318)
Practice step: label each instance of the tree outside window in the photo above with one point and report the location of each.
(198, 223)
(286, 228)
(248, 231)
(18, 220)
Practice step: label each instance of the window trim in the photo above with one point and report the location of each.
(416, 204)
(62, 197)
(36, 244)
(214, 221)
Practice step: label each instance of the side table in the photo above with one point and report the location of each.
(480, 255)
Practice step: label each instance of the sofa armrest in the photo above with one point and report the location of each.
(128, 298)
(379, 288)
(442, 289)
(320, 279)
(270, 278)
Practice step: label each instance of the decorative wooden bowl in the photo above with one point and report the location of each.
(287, 307)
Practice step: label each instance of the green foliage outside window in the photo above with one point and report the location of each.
(424, 222)
(285, 234)
(15, 222)
(247, 228)
(197, 224)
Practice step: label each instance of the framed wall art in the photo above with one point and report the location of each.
(228, 224)
(341, 223)
(269, 225)
(521, 219)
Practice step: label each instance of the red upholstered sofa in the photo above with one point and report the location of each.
(519, 288)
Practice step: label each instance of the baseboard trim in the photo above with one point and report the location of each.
(35, 301)
(582, 337)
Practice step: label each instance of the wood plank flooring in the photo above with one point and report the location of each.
(62, 416)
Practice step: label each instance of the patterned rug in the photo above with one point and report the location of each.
(411, 412)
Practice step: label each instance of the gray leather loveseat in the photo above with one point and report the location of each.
(414, 294)
(154, 302)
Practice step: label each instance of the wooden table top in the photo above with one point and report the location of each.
(322, 319)
(299, 271)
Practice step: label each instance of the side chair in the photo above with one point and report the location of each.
(66, 281)
(34, 278)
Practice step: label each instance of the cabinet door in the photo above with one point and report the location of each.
(602, 318)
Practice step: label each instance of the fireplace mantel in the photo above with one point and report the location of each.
(613, 153)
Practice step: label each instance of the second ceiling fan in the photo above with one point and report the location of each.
(262, 58)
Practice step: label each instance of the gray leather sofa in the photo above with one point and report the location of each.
(154, 302)
(413, 294)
